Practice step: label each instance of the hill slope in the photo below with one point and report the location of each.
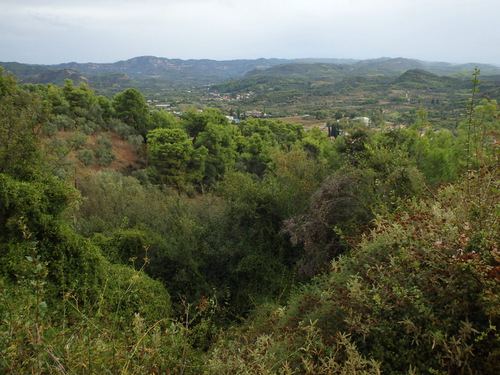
(198, 72)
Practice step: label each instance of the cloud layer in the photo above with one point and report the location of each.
(106, 30)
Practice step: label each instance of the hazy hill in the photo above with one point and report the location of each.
(418, 78)
(313, 76)
(304, 70)
(198, 72)
(58, 76)
(385, 64)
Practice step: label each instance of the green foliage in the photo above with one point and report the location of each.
(106, 107)
(394, 281)
(301, 350)
(478, 136)
(30, 195)
(254, 156)
(172, 154)
(111, 199)
(103, 150)
(259, 259)
(62, 305)
(162, 119)
(130, 107)
(197, 246)
(123, 245)
(40, 205)
(319, 146)
(58, 103)
(344, 201)
(349, 199)
(419, 292)
(120, 128)
(137, 141)
(121, 330)
(195, 122)
(81, 97)
(86, 157)
(21, 114)
(219, 141)
(260, 136)
(77, 140)
(88, 127)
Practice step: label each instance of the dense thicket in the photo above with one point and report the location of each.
(54, 283)
(324, 255)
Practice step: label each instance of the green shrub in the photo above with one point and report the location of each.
(123, 329)
(86, 157)
(301, 350)
(63, 122)
(77, 140)
(135, 140)
(50, 129)
(103, 150)
(420, 293)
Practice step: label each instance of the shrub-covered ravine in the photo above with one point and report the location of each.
(135, 241)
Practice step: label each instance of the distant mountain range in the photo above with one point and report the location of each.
(201, 72)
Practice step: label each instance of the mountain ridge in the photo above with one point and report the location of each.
(197, 72)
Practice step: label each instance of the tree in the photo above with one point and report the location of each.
(343, 200)
(333, 128)
(59, 104)
(22, 115)
(254, 157)
(131, 107)
(106, 107)
(195, 122)
(31, 199)
(172, 154)
(78, 97)
(422, 121)
(320, 115)
(220, 141)
(162, 119)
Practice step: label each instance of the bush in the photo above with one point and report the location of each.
(103, 150)
(344, 201)
(136, 141)
(421, 292)
(122, 129)
(62, 122)
(50, 129)
(301, 350)
(89, 127)
(86, 157)
(105, 159)
(77, 140)
(124, 329)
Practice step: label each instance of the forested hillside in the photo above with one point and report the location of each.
(135, 241)
(386, 90)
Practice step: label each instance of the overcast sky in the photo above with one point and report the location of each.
(57, 31)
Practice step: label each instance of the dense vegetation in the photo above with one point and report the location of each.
(387, 90)
(251, 248)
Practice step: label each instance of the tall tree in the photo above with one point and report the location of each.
(162, 119)
(195, 122)
(132, 109)
(172, 154)
(21, 116)
(220, 141)
(78, 97)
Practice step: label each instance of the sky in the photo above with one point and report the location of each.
(104, 31)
